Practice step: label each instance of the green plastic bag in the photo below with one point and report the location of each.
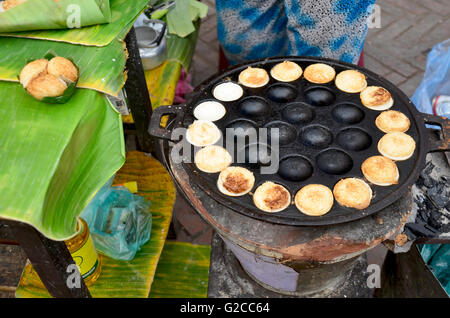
(119, 221)
(437, 257)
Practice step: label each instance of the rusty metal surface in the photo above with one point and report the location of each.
(229, 280)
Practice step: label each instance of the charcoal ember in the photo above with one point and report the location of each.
(427, 170)
(419, 229)
(439, 195)
(430, 221)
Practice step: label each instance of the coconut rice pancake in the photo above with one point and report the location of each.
(380, 171)
(376, 98)
(351, 81)
(392, 121)
(202, 133)
(319, 73)
(314, 200)
(271, 197)
(254, 77)
(353, 193)
(212, 159)
(286, 71)
(228, 91)
(235, 181)
(209, 111)
(396, 146)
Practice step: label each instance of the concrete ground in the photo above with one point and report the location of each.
(397, 51)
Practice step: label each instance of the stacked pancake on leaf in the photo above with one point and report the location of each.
(49, 79)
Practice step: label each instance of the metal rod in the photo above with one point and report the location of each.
(50, 259)
(137, 94)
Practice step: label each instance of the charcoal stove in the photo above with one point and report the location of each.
(290, 253)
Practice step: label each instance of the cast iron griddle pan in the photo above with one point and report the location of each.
(325, 129)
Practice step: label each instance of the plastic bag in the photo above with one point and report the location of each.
(437, 257)
(436, 80)
(119, 221)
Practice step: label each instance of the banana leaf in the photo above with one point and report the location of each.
(181, 49)
(127, 279)
(101, 69)
(50, 14)
(123, 15)
(54, 158)
(183, 271)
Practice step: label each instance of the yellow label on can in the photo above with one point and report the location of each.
(86, 258)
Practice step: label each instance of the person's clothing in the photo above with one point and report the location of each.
(252, 29)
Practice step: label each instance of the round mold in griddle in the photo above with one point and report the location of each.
(347, 114)
(298, 113)
(295, 168)
(354, 139)
(254, 107)
(286, 134)
(241, 128)
(282, 93)
(316, 136)
(334, 161)
(319, 96)
(256, 155)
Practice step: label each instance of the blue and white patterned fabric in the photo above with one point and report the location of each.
(252, 29)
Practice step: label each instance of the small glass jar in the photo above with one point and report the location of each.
(83, 252)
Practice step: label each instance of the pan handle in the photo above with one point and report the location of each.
(156, 129)
(441, 144)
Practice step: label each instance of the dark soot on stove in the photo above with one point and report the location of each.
(334, 161)
(295, 168)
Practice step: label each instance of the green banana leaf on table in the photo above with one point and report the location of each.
(101, 69)
(50, 14)
(122, 16)
(53, 158)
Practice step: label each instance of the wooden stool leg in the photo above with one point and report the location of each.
(51, 260)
